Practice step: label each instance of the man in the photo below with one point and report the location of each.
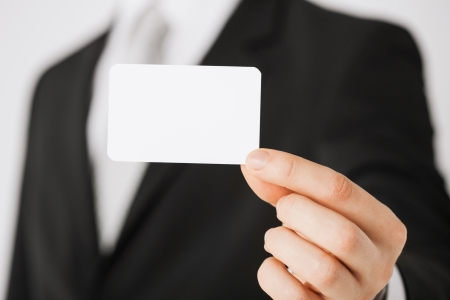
(352, 179)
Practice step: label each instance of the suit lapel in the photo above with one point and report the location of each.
(250, 31)
(68, 163)
(70, 151)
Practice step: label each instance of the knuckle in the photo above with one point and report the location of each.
(327, 271)
(267, 267)
(346, 238)
(386, 274)
(285, 208)
(265, 279)
(291, 170)
(400, 234)
(274, 236)
(341, 187)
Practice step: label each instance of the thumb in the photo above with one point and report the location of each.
(266, 191)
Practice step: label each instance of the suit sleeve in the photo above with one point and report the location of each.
(377, 131)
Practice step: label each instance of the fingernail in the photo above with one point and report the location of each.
(257, 159)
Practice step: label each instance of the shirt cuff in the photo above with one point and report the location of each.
(396, 289)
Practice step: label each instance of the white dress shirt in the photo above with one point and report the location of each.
(193, 26)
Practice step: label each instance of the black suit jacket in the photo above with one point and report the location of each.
(344, 92)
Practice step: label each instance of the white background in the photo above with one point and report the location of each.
(35, 33)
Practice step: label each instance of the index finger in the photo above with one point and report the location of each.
(323, 185)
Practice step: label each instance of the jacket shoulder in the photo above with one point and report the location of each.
(73, 67)
(334, 29)
(325, 18)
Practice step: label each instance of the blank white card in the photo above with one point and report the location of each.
(183, 114)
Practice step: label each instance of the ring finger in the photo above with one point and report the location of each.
(311, 264)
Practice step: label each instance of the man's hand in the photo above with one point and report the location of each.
(338, 241)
